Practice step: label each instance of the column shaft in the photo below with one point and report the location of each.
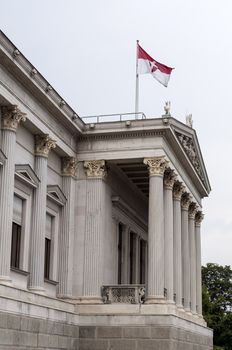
(94, 236)
(199, 217)
(66, 239)
(38, 228)
(177, 251)
(168, 241)
(192, 244)
(185, 258)
(6, 202)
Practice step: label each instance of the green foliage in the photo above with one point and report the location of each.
(217, 302)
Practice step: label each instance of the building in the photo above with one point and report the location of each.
(99, 224)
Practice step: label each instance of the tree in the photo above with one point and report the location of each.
(217, 302)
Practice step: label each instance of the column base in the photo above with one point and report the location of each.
(6, 280)
(155, 299)
(37, 290)
(89, 300)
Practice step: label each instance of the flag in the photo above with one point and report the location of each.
(147, 64)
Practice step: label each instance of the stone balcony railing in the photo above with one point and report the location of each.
(124, 293)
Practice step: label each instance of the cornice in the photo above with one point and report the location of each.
(120, 135)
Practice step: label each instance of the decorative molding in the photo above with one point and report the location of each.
(192, 210)
(126, 294)
(189, 147)
(56, 195)
(69, 166)
(11, 117)
(156, 165)
(95, 168)
(199, 217)
(121, 135)
(186, 201)
(178, 190)
(26, 174)
(43, 145)
(169, 178)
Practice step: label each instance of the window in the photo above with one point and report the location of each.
(16, 232)
(142, 261)
(120, 231)
(47, 253)
(132, 258)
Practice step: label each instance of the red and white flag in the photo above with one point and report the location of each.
(147, 64)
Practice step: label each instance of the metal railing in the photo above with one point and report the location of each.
(113, 117)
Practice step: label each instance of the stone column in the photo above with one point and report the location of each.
(169, 179)
(186, 200)
(43, 144)
(94, 230)
(192, 247)
(178, 190)
(66, 237)
(156, 167)
(11, 117)
(198, 219)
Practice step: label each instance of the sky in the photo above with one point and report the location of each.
(87, 51)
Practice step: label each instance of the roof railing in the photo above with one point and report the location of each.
(105, 118)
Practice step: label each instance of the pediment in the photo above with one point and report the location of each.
(188, 142)
(25, 173)
(56, 195)
(2, 158)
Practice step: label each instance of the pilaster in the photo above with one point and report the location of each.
(66, 238)
(94, 231)
(156, 167)
(169, 179)
(43, 144)
(11, 118)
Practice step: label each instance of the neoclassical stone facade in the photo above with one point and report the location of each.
(100, 224)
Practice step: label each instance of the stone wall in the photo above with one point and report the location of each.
(141, 338)
(22, 332)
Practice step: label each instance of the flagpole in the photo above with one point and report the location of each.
(137, 82)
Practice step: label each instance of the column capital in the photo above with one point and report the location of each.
(69, 166)
(43, 145)
(178, 190)
(186, 201)
(169, 178)
(11, 117)
(192, 210)
(156, 165)
(95, 168)
(198, 218)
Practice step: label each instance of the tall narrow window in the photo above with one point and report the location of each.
(16, 232)
(142, 261)
(132, 257)
(120, 231)
(47, 253)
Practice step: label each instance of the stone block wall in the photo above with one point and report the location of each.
(141, 338)
(22, 332)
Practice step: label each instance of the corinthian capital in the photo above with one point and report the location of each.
(169, 178)
(95, 168)
(186, 201)
(156, 165)
(69, 166)
(43, 145)
(11, 117)
(192, 210)
(198, 218)
(178, 190)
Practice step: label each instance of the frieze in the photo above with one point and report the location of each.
(121, 135)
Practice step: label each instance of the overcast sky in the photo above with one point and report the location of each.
(86, 50)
